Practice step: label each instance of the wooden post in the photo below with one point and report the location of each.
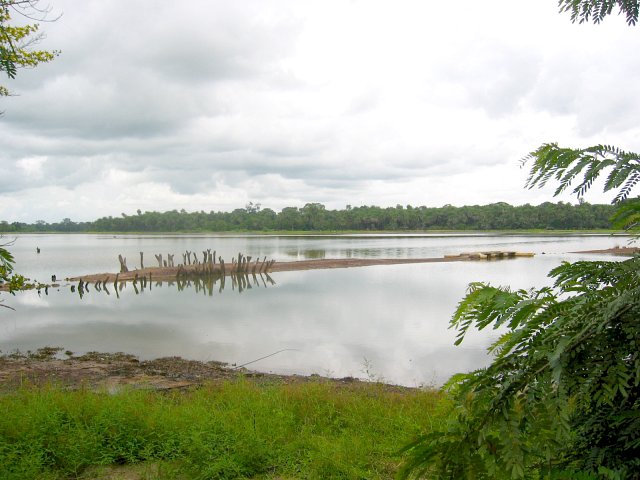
(141, 261)
(123, 264)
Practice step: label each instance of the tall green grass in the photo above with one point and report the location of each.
(231, 430)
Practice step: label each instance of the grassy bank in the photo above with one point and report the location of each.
(231, 430)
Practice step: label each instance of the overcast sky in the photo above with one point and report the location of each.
(208, 105)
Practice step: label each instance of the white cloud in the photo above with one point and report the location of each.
(31, 167)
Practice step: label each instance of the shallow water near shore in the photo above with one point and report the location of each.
(379, 322)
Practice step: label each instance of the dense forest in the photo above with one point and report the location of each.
(315, 217)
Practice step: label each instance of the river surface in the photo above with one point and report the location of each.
(380, 322)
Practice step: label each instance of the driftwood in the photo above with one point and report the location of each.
(159, 259)
(123, 264)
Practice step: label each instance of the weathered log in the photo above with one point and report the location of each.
(123, 264)
(159, 259)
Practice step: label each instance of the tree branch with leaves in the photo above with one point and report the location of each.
(596, 10)
(561, 397)
(16, 42)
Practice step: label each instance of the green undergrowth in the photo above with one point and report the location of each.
(230, 430)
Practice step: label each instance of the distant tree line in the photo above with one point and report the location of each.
(315, 217)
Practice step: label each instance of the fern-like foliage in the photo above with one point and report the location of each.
(596, 10)
(563, 385)
(561, 398)
(578, 169)
(584, 166)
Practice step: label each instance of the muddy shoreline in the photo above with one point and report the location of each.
(619, 251)
(113, 372)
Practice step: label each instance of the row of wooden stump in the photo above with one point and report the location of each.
(243, 264)
(206, 283)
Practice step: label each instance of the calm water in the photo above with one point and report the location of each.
(386, 321)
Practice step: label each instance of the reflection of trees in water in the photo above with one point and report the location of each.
(308, 254)
(206, 283)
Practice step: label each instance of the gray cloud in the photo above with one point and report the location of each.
(211, 104)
